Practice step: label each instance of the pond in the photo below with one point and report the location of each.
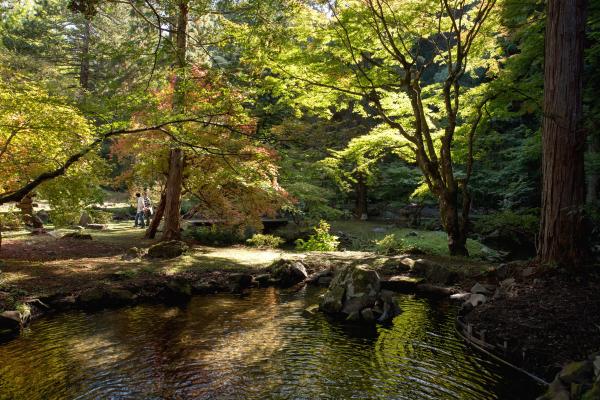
(255, 347)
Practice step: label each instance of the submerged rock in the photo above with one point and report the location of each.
(288, 273)
(168, 249)
(11, 321)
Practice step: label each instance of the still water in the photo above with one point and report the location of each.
(257, 347)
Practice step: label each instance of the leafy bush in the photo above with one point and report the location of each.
(216, 236)
(391, 245)
(64, 216)
(265, 241)
(525, 221)
(101, 217)
(11, 221)
(322, 240)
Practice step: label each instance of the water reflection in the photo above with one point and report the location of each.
(259, 347)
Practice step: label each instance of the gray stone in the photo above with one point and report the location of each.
(168, 249)
(596, 364)
(401, 283)
(352, 289)
(78, 236)
(379, 230)
(477, 299)
(460, 296)
(368, 315)
(577, 372)
(238, 282)
(314, 278)
(11, 320)
(412, 234)
(432, 272)
(97, 227)
(288, 272)
(132, 254)
(263, 279)
(310, 311)
(478, 288)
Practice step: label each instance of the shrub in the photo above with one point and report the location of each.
(322, 240)
(526, 222)
(11, 221)
(265, 241)
(100, 216)
(216, 236)
(64, 217)
(391, 245)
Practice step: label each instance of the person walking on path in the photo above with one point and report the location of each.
(139, 215)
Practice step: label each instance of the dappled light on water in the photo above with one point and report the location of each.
(256, 347)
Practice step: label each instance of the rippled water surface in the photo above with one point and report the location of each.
(257, 347)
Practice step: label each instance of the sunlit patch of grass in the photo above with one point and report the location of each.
(429, 242)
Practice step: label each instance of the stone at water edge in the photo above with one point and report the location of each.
(263, 279)
(577, 372)
(168, 249)
(477, 299)
(288, 273)
(238, 282)
(368, 315)
(434, 273)
(310, 311)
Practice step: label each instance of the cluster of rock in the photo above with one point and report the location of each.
(480, 293)
(355, 293)
(576, 381)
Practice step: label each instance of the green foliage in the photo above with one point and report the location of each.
(265, 241)
(392, 245)
(322, 240)
(11, 221)
(526, 221)
(216, 235)
(101, 217)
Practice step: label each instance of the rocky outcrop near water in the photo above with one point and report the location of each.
(355, 294)
(287, 273)
(576, 381)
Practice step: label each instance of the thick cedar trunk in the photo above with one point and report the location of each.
(360, 210)
(172, 215)
(593, 178)
(158, 214)
(84, 68)
(561, 238)
(175, 177)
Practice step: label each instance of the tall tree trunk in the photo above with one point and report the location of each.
(452, 223)
(593, 178)
(562, 238)
(175, 177)
(171, 230)
(84, 68)
(360, 210)
(158, 214)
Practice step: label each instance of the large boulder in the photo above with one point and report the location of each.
(168, 249)
(355, 292)
(240, 281)
(288, 273)
(433, 272)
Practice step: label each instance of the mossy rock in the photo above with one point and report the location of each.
(168, 249)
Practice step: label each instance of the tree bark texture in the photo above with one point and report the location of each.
(172, 212)
(84, 68)
(360, 210)
(562, 232)
(158, 214)
(172, 226)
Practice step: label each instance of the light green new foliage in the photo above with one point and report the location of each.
(265, 241)
(322, 240)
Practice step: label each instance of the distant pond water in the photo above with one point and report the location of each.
(257, 347)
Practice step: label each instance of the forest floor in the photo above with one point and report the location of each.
(547, 319)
